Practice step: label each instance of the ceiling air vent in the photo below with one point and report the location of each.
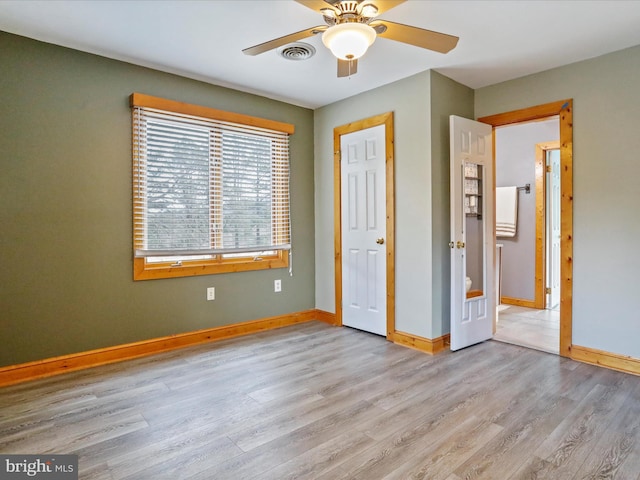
(297, 51)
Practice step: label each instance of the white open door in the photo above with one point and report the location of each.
(364, 281)
(553, 228)
(473, 300)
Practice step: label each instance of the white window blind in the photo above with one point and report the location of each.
(208, 187)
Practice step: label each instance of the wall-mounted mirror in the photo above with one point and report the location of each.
(474, 229)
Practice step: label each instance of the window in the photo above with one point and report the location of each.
(210, 190)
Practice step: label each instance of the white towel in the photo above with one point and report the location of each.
(506, 211)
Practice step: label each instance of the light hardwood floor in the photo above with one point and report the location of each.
(529, 327)
(313, 401)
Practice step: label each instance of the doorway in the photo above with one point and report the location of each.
(364, 225)
(563, 110)
(538, 327)
(521, 159)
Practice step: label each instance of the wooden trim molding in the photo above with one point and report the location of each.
(143, 100)
(142, 270)
(425, 345)
(600, 358)
(327, 317)
(520, 302)
(79, 361)
(566, 227)
(564, 110)
(525, 115)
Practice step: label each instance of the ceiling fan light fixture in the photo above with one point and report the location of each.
(369, 11)
(328, 12)
(349, 41)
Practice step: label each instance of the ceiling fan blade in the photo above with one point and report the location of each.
(439, 42)
(278, 42)
(383, 5)
(315, 5)
(346, 68)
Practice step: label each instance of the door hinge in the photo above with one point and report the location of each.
(548, 169)
(547, 291)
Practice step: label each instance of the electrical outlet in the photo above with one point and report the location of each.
(211, 293)
(277, 285)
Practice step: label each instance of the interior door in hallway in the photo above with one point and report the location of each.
(553, 227)
(363, 187)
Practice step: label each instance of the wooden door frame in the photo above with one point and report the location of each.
(385, 119)
(564, 110)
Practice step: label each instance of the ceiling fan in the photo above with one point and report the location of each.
(352, 26)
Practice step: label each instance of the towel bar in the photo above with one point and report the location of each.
(526, 188)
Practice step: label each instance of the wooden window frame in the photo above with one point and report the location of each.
(144, 270)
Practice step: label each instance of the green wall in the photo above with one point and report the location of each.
(421, 105)
(447, 98)
(65, 190)
(606, 192)
(408, 99)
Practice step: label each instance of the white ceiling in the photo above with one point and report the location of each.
(499, 40)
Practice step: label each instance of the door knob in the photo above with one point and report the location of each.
(460, 244)
(380, 241)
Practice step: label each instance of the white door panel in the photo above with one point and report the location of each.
(553, 228)
(472, 225)
(364, 229)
